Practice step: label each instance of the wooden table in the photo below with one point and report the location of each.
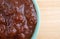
(50, 19)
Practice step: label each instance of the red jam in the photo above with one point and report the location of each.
(17, 19)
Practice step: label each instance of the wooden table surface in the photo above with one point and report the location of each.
(50, 19)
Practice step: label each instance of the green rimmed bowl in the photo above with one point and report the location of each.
(38, 20)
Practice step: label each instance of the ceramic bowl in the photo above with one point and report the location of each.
(38, 20)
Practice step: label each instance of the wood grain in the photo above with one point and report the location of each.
(50, 19)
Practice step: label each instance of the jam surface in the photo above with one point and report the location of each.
(17, 19)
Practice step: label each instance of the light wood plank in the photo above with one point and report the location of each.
(50, 19)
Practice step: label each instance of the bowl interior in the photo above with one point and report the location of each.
(38, 20)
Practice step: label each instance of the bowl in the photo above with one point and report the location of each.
(38, 20)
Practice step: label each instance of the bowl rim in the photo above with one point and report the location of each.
(38, 19)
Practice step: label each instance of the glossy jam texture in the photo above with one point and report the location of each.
(17, 19)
